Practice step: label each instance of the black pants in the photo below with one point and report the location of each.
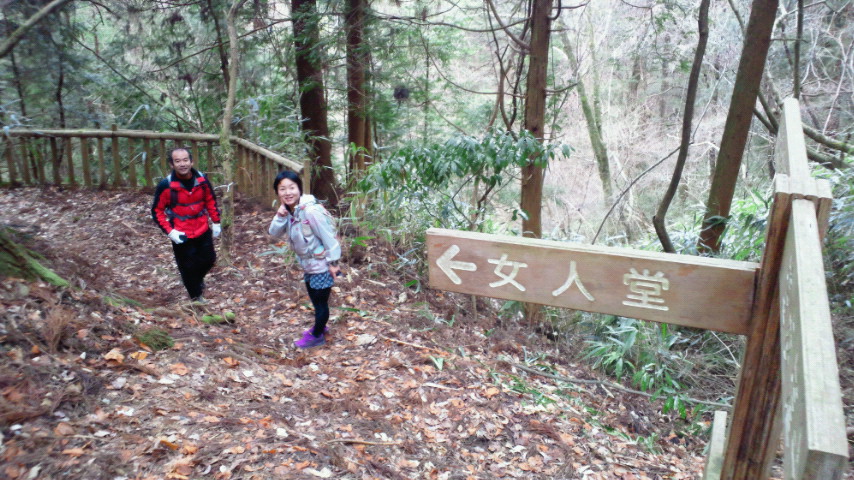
(320, 300)
(195, 258)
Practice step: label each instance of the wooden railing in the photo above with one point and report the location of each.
(130, 158)
(789, 377)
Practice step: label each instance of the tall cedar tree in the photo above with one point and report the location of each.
(751, 65)
(313, 99)
(535, 114)
(358, 133)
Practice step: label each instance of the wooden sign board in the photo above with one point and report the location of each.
(813, 419)
(698, 292)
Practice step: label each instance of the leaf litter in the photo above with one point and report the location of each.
(391, 395)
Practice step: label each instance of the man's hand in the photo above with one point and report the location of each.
(177, 237)
(216, 229)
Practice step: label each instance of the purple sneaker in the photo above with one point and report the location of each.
(308, 341)
(309, 330)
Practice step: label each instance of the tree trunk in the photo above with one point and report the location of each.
(535, 116)
(223, 56)
(357, 118)
(225, 147)
(594, 126)
(60, 81)
(16, 261)
(312, 99)
(535, 107)
(751, 65)
(693, 79)
(19, 86)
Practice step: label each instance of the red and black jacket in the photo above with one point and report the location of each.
(176, 207)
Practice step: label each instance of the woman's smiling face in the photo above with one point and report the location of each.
(288, 192)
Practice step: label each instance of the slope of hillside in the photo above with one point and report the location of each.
(408, 386)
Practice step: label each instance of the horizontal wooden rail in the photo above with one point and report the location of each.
(127, 158)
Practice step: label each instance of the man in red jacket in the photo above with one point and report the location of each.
(183, 202)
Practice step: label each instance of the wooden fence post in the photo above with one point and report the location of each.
(131, 163)
(813, 422)
(54, 156)
(195, 150)
(239, 177)
(40, 162)
(69, 158)
(146, 146)
(25, 163)
(102, 164)
(10, 160)
(84, 156)
(714, 459)
(754, 432)
(117, 164)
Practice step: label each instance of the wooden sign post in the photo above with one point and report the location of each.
(813, 422)
(781, 307)
(693, 291)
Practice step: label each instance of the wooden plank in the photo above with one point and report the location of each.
(131, 163)
(10, 160)
(40, 163)
(685, 290)
(102, 164)
(69, 160)
(117, 132)
(54, 157)
(146, 147)
(241, 164)
(825, 203)
(84, 156)
(256, 175)
(790, 155)
(265, 174)
(117, 165)
(717, 443)
(813, 419)
(25, 167)
(751, 444)
(290, 164)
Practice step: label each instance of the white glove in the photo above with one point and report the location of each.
(176, 235)
(216, 229)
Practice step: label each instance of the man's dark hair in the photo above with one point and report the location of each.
(292, 176)
(189, 153)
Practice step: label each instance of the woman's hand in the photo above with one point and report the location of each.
(334, 270)
(282, 211)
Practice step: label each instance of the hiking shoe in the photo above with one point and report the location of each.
(308, 341)
(310, 330)
(200, 300)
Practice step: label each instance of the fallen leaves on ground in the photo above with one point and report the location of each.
(393, 394)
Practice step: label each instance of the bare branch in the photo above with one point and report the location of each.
(521, 43)
(626, 190)
(132, 83)
(19, 33)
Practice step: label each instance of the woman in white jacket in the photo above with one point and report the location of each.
(310, 229)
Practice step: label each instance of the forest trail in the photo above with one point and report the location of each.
(396, 392)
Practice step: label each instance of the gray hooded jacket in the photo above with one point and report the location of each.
(311, 232)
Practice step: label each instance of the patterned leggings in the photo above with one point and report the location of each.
(320, 300)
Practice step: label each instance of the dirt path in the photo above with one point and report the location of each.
(396, 393)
